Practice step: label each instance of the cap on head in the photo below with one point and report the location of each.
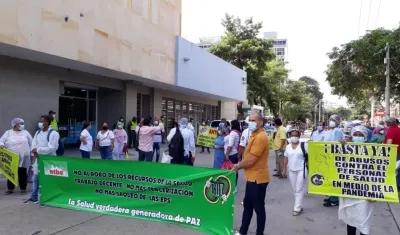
(16, 121)
(336, 118)
(52, 112)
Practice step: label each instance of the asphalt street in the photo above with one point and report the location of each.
(19, 219)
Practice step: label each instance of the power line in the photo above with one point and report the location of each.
(369, 13)
(359, 18)
(377, 15)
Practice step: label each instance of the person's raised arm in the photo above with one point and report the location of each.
(171, 134)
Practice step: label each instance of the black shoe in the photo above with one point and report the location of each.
(275, 169)
(326, 200)
(331, 204)
(9, 192)
(277, 175)
(202, 152)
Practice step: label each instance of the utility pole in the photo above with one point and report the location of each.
(372, 110)
(319, 114)
(387, 88)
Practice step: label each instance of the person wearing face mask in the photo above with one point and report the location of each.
(146, 132)
(86, 146)
(19, 141)
(334, 134)
(279, 145)
(53, 123)
(379, 137)
(105, 142)
(202, 147)
(381, 124)
(356, 213)
(45, 142)
(157, 139)
(120, 121)
(219, 155)
(319, 134)
(120, 142)
(255, 165)
(295, 159)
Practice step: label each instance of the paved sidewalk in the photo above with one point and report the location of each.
(19, 219)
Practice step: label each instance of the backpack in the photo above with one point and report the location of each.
(60, 150)
(176, 148)
(305, 154)
(240, 136)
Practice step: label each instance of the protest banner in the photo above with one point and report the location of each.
(270, 134)
(9, 162)
(206, 136)
(354, 170)
(200, 198)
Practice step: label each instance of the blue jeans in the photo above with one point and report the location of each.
(148, 156)
(85, 154)
(105, 152)
(156, 148)
(35, 188)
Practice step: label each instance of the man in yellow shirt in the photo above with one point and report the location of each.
(279, 146)
(255, 165)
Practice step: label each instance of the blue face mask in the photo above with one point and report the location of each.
(21, 127)
(358, 139)
(252, 126)
(155, 123)
(40, 125)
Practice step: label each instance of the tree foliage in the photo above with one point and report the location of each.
(357, 70)
(296, 103)
(344, 112)
(312, 88)
(241, 47)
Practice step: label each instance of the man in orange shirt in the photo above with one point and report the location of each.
(255, 165)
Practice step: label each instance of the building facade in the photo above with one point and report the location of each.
(279, 45)
(97, 60)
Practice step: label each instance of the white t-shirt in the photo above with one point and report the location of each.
(88, 147)
(318, 136)
(295, 157)
(234, 140)
(158, 136)
(244, 140)
(105, 139)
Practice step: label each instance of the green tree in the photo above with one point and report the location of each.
(241, 47)
(344, 112)
(357, 70)
(296, 103)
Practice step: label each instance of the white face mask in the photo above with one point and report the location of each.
(382, 132)
(219, 132)
(294, 140)
(332, 124)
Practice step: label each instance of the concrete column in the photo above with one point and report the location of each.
(130, 101)
(228, 110)
(157, 100)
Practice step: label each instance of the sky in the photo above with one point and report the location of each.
(312, 27)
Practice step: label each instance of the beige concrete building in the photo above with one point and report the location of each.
(97, 60)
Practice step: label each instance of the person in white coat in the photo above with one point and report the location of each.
(19, 141)
(45, 142)
(295, 159)
(356, 213)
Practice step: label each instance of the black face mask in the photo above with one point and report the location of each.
(104, 128)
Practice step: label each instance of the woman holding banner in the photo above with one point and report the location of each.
(19, 141)
(356, 213)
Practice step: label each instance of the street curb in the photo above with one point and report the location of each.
(394, 209)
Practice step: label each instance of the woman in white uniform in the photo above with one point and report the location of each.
(19, 141)
(294, 157)
(356, 213)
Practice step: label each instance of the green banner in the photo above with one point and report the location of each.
(196, 197)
